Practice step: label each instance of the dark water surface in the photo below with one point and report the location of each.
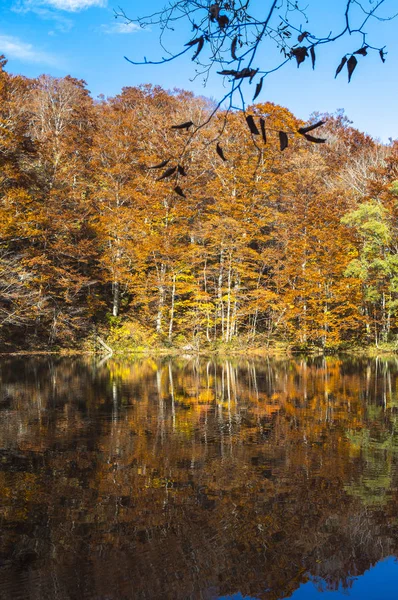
(189, 479)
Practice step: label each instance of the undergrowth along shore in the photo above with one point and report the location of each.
(276, 350)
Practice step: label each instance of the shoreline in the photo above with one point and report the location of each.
(252, 353)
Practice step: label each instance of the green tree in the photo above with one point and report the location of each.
(376, 266)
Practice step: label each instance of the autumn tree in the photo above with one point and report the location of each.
(20, 302)
(62, 124)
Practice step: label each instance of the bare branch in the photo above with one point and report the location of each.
(228, 35)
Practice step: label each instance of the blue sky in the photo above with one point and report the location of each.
(82, 38)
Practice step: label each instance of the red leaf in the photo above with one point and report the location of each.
(160, 165)
(283, 140)
(351, 64)
(179, 191)
(214, 11)
(167, 173)
(310, 138)
(362, 51)
(252, 125)
(263, 132)
(233, 48)
(193, 42)
(313, 57)
(302, 36)
(300, 54)
(199, 48)
(341, 65)
(258, 89)
(223, 21)
(303, 130)
(186, 125)
(246, 72)
(220, 152)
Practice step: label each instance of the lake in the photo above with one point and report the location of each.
(198, 479)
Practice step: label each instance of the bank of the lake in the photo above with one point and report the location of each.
(219, 350)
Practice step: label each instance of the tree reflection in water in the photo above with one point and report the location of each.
(194, 478)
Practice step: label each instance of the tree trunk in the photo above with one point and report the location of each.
(220, 294)
(171, 321)
(161, 300)
(116, 298)
(207, 309)
(228, 319)
(234, 321)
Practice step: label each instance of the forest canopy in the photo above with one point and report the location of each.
(298, 247)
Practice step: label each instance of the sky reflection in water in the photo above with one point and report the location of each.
(379, 583)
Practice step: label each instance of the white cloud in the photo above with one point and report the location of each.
(62, 23)
(74, 5)
(120, 28)
(65, 5)
(13, 47)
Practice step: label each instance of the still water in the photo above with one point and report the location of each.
(198, 479)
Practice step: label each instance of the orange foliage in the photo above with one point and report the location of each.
(257, 248)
